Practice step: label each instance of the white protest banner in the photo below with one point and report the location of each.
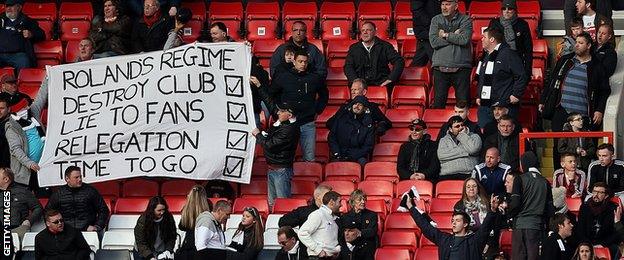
(184, 113)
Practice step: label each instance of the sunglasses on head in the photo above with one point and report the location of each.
(253, 211)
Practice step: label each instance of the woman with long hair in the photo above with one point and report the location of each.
(474, 202)
(584, 251)
(248, 239)
(155, 231)
(196, 203)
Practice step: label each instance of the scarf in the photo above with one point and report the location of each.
(597, 207)
(477, 211)
(510, 35)
(151, 20)
(485, 68)
(415, 161)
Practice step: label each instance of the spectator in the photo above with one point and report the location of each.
(219, 33)
(450, 35)
(422, 12)
(136, 8)
(605, 50)
(502, 77)
(320, 232)
(299, 42)
(298, 216)
(149, 32)
(25, 209)
(308, 95)
(196, 203)
(175, 37)
(155, 231)
(606, 169)
(220, 189)
(352, 136)
(584, 251)
(474, 202)
(584, 148)
(17, 100)
(85, 51)
(248, 239)
(604, 7)
(259, 78)
(5, 152)
(461, 244)
(111, 32)
(586, 9)
(506, 140)
(555, 245)
(17, 142)
(209, 236)
(458, 151)
(569, 40)
(292, 248)
(18, 34)
(491, 174)
(369, 58)
(560, 204)
(498, 111)
(462, 109)
(531, 206)
(360, 88)
(596, 216)
(279, 145)
(60, 241)
(516, 32)
(80, 203)
(358, 229)
(289, 58)
(418, 158)
(569, 177)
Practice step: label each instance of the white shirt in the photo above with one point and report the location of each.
(589, 26)
(320, 232)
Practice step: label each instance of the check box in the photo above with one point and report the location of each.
(237, 113)
(233, 166)
(234, 86)
(237, 140)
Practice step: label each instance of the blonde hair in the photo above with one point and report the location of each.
(196, 203)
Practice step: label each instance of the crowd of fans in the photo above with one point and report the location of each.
(502, 188)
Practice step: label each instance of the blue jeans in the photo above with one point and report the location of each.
(279, 183)
(308, 141)
(17, 60)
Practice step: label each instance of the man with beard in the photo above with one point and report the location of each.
(595, 222)
(458, 151)
(418, 159)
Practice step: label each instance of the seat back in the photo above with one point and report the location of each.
(118, 240)
(336, 20)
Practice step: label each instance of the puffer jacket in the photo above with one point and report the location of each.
(458, 154)
(352, 136)
(113, 36)
(23, 202)
(18, 146)
(80, 207)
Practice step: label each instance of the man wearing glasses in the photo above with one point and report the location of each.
(418, 159)
(595, 222)
(458, 151)
(292, 249)
(60, 241)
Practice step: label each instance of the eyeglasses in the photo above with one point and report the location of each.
(507, 9)
(58, 221)
(413, 128)
(599, 192)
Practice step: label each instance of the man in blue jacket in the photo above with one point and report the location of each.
(352, 136)
(18, 33)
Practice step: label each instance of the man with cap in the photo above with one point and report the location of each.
(18, 33)
(502, 78)
(517, 33)
(418, 158)
(458, 151)
(498, 110)
(10, 92)
(352, 136)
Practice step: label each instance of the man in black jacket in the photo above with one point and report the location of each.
(60, 241)
(298, 216)
(18, 33)
(80, 203)
(595, 221)
(149, 33)
(292, 249)
(418, 157)
(606, 169)
(517, 33)
(358, 230)
(605, 52)
(368, 59)
(25, 208)
(359, 88)
(422, 12)
(502, 77)
(506, 140)
(352, 136)
(555, 246)
(307, 94)
(299, 41)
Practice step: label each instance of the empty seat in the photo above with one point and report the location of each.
(123, 222)
(176, 187)
(395, 135)
(344, 188)
(424, 188)
(48, 53)
(284, 205)
(230, 14)
(92, 239)
(427, 253)
(71, 51)
(408, 48)
(29, 79)
(75, 20)
(529, 10)
(118, 240)
(311, 171)
(262, 20)
(377, 206)
(336, 20)
(377, 190)
(139, 188)
(602, 253)
(442, 205)
(378, 12)
(192, 29)
(175, 203)
(272, 221)
(415, 76)
(130, 205)
(337, 52)
(255, 189)
(381, 171)
(574, 204)
(347, 171)
(302, 189)
(270, 240)
(28, 242)
(409, 97)
(299, 11)
(263, 49)
(401, 222)
(403, 23)
(443, 220)
(260, 204)
(402, 117)
(321, 120)
(108, 189)
(484, 10)
(378, 95)
(338, 95)
(386, 152)
(449, 189)
(436, 118)
(393, 254)
(400, 240)
(336, 77)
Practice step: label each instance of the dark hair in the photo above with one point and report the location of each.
(330, 196)
(464, 215)
(556, 220)
(152, 204)
(289, 48)
(8, 173)
(455, 119)
(361, 80)
(5, 101)
(602, 185)
(496, 33)
(50, 213)
(576, 22)
(219, 25)
(572, 115)
(587, 37)
(371, 23)
(89, 39)
(71, 169)
(507, 118)
(564, 155)
(592, 4)
(257, 229)
(462, 104)
(578, 249)
(288, 231)
(301, 53)
(607, 146)
(167, 225)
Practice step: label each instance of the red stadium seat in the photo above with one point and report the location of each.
(426, 243)
(175, 203)
(409, 97)
(443, 220)
(108, 189)
(402, 117)
(264, 49)
(533, 24)
(318, 43)
(139, 188)
(337, 52)
(395, 135)
(262, 18)
(29, 79)
(321, 135)
(229, 13)
(528, 116)
(408, 49)
(478, 26)
(71, 51)
(321, 152)
(399, 239)
(177, 187)
(2, 8)
(377, 206)
(75, 20)
(392, 254)
(44, 13)
(192, 29)
(449, 189)
(283, 205)
(255, 189)
(574, 204)
(385, 171)
(484, 10)
(377, 190)
(48, 53)
(505, 241)
(310, 171)
(296, 11)
(338, 95)
(132, 206)
(529, 10)
(321, 120)
(336, 77)
(336, 20)
(302, 189)
(378, 95)
(451, 99)
(424, 188)
(415, 76)
(403, 22)
(540, 53)
(433, 131)
(401, 222)
(427, 253)
(344, 188)
(602, 253)
(379, 13)
(260, 204)
(437, 117)
(386, 152)
(343, 171)
(439, 205)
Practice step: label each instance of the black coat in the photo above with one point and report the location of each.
(509, 76)
(258, 71)
(362, 250)
(305, 91)
(80, 207)
(373, 66)
(11, 40)
(187, 248)
(146, 236)
(597, 229)
(113, 36)
(352, 136)
(524, 42)
(24, 205)
(551, 249)
(280, 144)
(146, 39)
(422, 12)
(611, 175)
(428, 159)
(512, 158)
(298, 216)
(68, 244)
(607, 58)
(302, 254)
(244, 251)
(365, 245)
(381, 122)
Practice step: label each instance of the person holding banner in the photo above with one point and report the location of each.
(21, 164)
